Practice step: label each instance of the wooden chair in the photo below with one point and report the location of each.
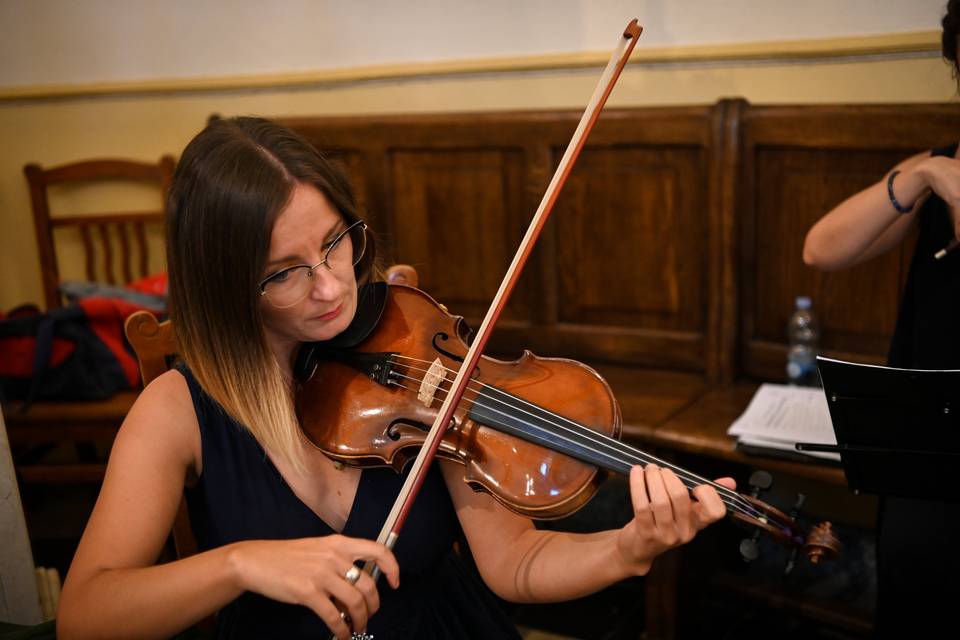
(101, 233)
(115, 251)
(155, 344)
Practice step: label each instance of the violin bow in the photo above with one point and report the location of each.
(401, 507)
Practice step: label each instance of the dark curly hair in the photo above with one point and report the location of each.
(951, 31)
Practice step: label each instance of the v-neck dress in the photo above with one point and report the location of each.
(241, 495)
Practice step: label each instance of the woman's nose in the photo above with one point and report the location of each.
(324, 284)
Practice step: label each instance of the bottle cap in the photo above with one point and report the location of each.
(804, 303)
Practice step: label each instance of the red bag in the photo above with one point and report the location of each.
(78, 352)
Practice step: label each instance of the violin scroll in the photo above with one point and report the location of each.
(821, 543)
(817, 544)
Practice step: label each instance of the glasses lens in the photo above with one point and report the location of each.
(348, 247)
(358, 236)
(288, 287)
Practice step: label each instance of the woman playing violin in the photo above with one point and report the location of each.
(266, 250)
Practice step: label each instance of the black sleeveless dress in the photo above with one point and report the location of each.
(242, 496)
(918, 565)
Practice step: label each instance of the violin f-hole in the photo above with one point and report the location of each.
(442, 335)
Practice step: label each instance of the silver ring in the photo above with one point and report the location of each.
(352, 574)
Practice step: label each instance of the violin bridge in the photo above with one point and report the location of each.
(431, 382)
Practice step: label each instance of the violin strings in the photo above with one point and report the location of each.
(691, 479)
(734, 500)
(745, 508)
(601, 440)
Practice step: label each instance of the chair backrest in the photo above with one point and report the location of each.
(107, 237)
(153, 341)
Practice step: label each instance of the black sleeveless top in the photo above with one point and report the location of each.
(917, 563)
(927, 335)
(242, 496)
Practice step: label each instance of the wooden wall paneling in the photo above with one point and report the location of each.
(600, 304)
(746, 223)
(457, 220)
(908, 128)
(621, 272)
(354, 164)
(452, 198)
(799, 163)
(722, 285)
(631, 256)
(540, 275)
(632, 241)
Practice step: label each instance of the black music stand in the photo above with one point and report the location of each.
(898, 430)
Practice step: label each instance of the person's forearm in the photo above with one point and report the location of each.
(864, 224)
(552, 566)
(149, 602)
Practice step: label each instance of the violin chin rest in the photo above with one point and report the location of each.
(371, 301)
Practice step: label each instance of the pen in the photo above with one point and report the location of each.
(953, 244)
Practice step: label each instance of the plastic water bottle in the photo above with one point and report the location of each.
(804, 335)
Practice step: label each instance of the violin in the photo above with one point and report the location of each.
(538, 434)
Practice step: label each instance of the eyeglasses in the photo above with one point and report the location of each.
(289, 286)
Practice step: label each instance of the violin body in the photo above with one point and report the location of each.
(373, 404)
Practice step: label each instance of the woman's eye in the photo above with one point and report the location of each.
(280, 277)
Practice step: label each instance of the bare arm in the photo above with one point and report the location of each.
(866, 224)
(523, 564)
(113, 588)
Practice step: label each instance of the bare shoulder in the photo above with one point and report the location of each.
(167, 391)
(153, 456)
(164, 419)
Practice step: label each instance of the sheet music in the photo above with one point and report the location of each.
(779, 416)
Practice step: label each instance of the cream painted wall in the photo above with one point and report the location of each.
(61, 41)
(146, 124)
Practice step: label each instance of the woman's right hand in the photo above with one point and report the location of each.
(312, 572)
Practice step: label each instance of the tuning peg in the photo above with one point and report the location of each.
(759, 481)
(795, 511)
(791, 562)
(749, 549)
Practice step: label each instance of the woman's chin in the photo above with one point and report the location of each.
(318, 335)
(326, 331)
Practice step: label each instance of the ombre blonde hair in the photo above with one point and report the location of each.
(231, 183)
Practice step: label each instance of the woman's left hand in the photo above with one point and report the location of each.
(665, 514)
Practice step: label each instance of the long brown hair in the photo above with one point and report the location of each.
(950, 35)
(232, 181)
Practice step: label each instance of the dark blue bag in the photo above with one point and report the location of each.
(56, 356)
